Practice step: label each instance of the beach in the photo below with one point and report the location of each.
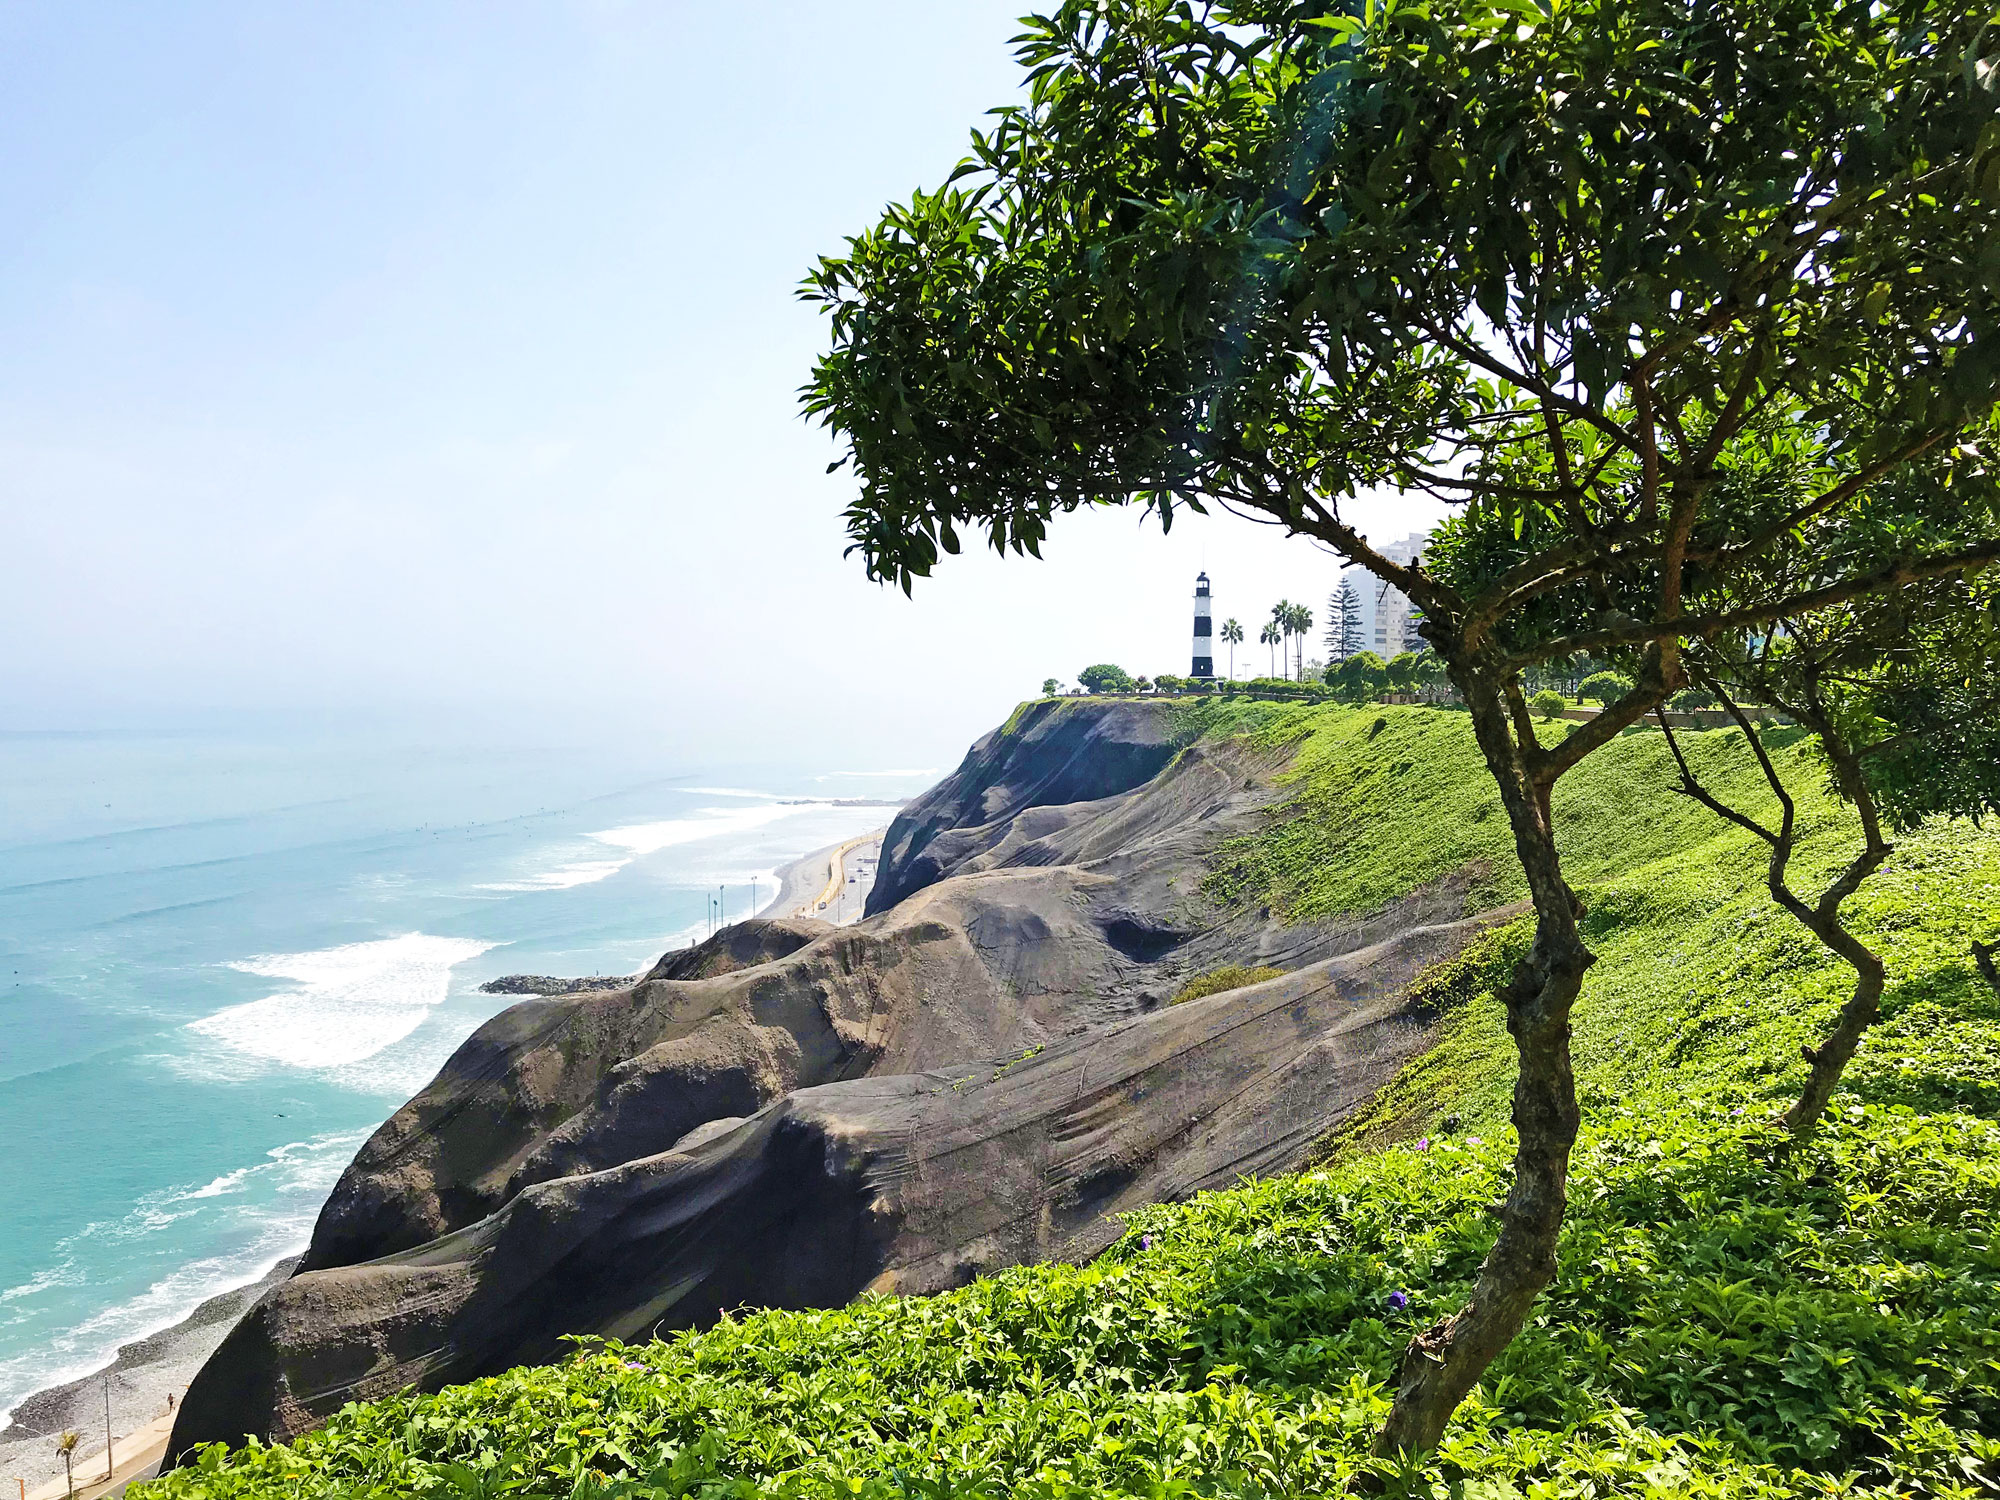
(140, 1380)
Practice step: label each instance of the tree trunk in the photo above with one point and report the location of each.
(1830, 1058)
(1445, 1361)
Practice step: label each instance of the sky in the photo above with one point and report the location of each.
(434, 366)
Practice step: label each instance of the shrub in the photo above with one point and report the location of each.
(1548, 703)
(1105, 678)
(1359, 678)
(1216, 981)
(1604, 687)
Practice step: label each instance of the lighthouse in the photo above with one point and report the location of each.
(1204, 631)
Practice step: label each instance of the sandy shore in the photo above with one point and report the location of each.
(141, 1378)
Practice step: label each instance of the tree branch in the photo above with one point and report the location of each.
(1691, 787)
(1708, 626)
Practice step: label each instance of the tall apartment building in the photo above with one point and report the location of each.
(1386, 626)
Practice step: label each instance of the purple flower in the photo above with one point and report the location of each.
(1475, 1140)
(1145, 1242)
(1398, 1301)
(631, 1366)
(1423, 1143)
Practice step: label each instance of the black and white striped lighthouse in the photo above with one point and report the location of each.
(1204, 631)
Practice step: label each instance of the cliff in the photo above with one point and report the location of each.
(1052, 755)
(977, 1075)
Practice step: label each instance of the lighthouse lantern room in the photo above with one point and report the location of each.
(1204, 631)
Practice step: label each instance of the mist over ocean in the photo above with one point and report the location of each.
(224, 962)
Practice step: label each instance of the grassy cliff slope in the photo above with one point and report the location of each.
(1730, 1320)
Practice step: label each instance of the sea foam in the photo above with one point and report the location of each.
(346, 1004)
(641, 839)
(705, 823)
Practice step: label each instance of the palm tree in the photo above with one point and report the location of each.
(1301, 622)
(1281, 616)
(66, 1442)
(1232, 637)
(1269, 637)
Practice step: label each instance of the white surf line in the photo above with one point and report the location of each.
(346, 1003)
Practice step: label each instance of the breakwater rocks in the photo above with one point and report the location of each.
(984, 1071)
(544, 984)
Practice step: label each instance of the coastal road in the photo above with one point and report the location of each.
(849, 877)
(137, 1456)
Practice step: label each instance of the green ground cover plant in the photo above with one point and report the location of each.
(1734, 1316)
(1220, 981)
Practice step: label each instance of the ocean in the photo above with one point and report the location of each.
(223, 962)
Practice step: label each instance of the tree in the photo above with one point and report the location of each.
(1902, 699)
(1358, 679)
(1142, 684)
(1269, 636)
(1691, 700)
(1105, 678)
(1548, 703)
(1050, 687)
(1300, 620)
(1343, 622)
(1604, 688)
(1402, 671)
(1429, 673)
(1281, 617)
(66, 1442)
(1584, 272)
(1232, 637)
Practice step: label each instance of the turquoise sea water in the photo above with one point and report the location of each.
(223, 962)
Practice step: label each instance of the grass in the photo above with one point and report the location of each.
(1729, 1319)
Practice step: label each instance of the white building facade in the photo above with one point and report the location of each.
(1386, 626)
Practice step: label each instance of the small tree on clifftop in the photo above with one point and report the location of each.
(1588, 273)
(1902, 698)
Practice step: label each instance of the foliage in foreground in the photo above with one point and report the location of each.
(1730, 1318)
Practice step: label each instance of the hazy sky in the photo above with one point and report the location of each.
(435, 364)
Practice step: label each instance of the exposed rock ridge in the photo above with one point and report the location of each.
(1050, 754)
(548, 984)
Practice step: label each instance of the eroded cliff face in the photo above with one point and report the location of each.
(977, 1075)
(1052, 754)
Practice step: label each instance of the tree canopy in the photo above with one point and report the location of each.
(1557, 262)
